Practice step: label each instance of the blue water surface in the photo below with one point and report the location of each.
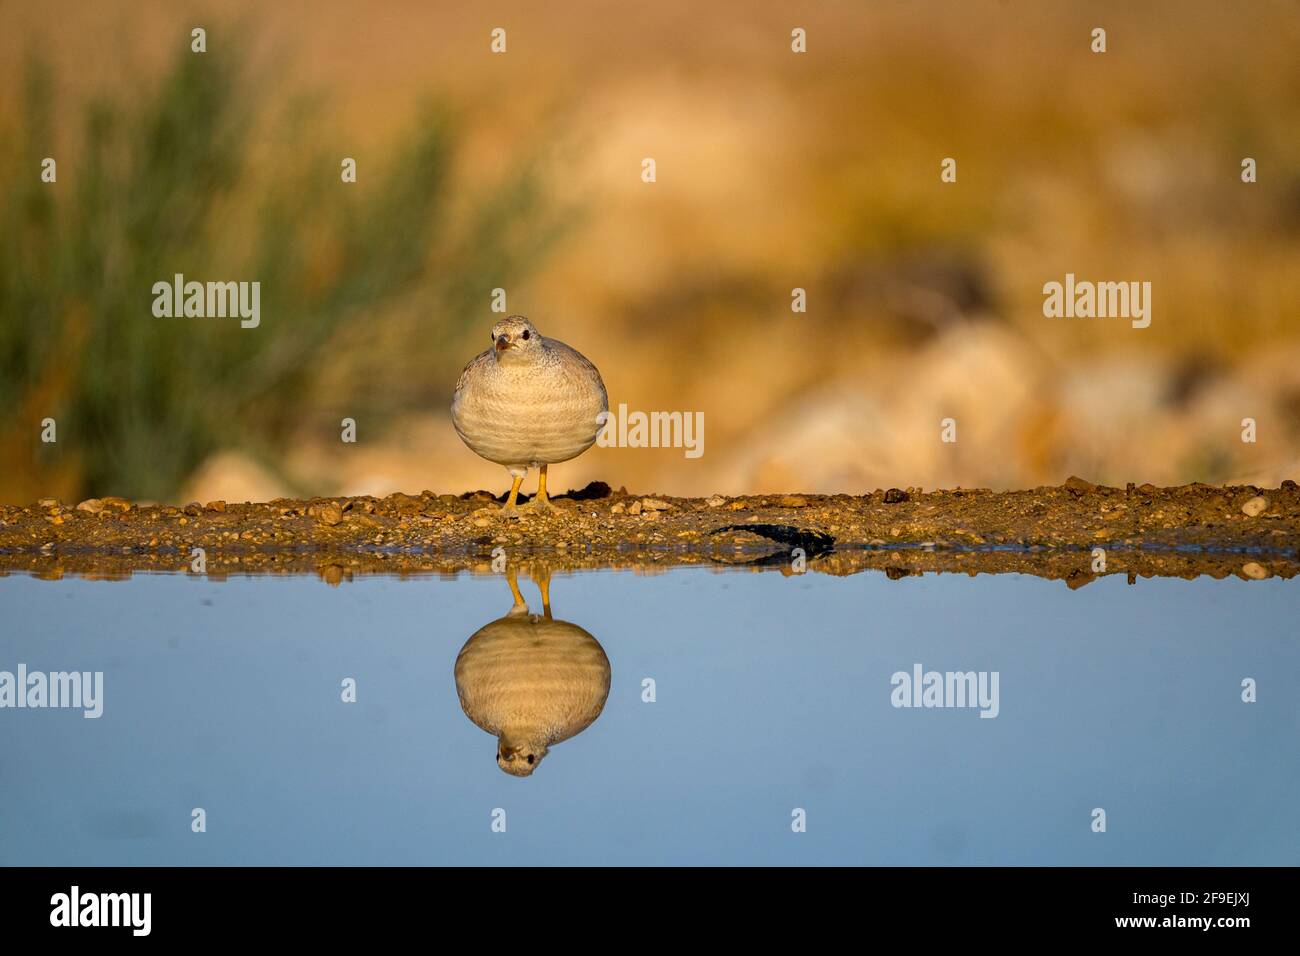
(772, 694)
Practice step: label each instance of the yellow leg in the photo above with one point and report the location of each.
(541, 501)
(514, 494)
(512, 578)
(544, 585)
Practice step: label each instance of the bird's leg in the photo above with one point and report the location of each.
(512, 578)
(509, 507)
(541, 502)
(544, 585)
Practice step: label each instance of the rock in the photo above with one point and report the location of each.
(895, 496)
(234, 477)
(792, 501)
(635, 508)
(193, 508)
(1255, 506)
(330, 514)
(618, 508)
(654, 504)
(217, 505)
(651, 516)
(1147, 488)
(404, 504)
(716, 501)
(91, 505)
(47, 503)
(1078, 486)
(1254, 571)
(116, 503)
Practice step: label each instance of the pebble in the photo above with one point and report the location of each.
(91, 505)
(792, 501)
(895, 496)
(1255, 506)
(654, 504)
(217, 505)
(716, 501)
(1078, 486)
(635, 508)
(1254, 571)
(329, 514)
(618, 508)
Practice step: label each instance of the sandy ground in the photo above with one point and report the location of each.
(1051, 531)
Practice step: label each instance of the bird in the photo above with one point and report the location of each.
(528, 401)
(531, 681)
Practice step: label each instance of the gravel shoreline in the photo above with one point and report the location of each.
(1050, 531)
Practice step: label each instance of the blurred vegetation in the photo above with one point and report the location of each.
(363, 286)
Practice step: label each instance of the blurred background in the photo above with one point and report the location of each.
(774, 171)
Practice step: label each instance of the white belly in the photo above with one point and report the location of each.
(551, 417)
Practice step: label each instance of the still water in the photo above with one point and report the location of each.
(685, 717)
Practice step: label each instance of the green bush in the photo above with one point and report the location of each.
(363, 286)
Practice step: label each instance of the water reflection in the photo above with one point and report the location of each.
(530, 680)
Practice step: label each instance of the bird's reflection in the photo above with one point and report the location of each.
(530, 680)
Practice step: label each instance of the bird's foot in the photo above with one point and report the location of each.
(538, 504)
(509, 511)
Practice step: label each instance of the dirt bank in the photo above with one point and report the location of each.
(1188, 530)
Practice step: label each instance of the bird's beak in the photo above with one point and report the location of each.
(503, 343)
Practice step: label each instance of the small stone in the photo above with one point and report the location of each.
(116, 503)
(47, 503)
(1254, 571)
(1147, 488)
(329, 514)
(193, 508)
(91, 505)
(654, 504)
(1078, 486)
(404, 504)
(635, 508)
(651, 516)
(217, 505)
(481, 522)
(792, 501)
(895, 496)
(618, 508)
(1255, 506)
(716, 501)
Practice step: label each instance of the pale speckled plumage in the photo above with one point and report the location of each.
(535, 402)
(531, 681)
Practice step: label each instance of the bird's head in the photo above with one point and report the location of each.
(515, 339)
(519, 758)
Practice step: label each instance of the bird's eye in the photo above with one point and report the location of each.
(526, 339)
(530, 756)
